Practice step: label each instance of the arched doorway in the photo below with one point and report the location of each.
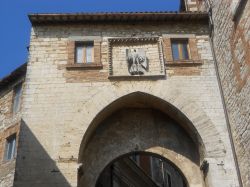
(140, 128)
(141, 169)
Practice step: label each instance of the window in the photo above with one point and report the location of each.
(17, 98)
(238, 7)
(180, 49)
(84, 52)
(168, 179)
(10, 147)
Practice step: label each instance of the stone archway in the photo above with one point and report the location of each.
(187, 115)
(185, 111)
(141, 169)
(141, 128)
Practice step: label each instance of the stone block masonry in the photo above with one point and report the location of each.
(9, 125)
(60, 103)
(231, 40)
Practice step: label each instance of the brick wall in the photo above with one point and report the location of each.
(232, 47)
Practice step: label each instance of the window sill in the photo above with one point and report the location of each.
(9, 161)
(184, 63)
(84, 66)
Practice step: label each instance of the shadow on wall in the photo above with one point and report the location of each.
(34, 167)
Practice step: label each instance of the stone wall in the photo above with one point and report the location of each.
(60, 102)
(231, 39)
(9, 125)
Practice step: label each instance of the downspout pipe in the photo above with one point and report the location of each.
(211, 33)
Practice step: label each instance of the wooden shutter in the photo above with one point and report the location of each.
(167, 51)
(194, 55)
(97, 52)
(71, 52)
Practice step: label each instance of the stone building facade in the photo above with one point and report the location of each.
(230, 34)
(232, 50)
(102, 86)
(10, 119)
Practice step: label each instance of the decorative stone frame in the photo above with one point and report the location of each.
(241, 77)
(112, 41)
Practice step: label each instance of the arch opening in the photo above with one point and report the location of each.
(140, 128)
(143, 100)
(141, 169)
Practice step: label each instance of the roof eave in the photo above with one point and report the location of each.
(116, 17)
(13, 76)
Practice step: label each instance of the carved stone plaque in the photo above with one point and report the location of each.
(135, 57)
(137, 61)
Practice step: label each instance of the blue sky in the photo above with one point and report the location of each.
(15, 26)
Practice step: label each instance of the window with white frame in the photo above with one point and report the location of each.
(84, 52)
(10, 147)
(17, 98)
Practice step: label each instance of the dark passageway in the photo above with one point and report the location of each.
(140, 169)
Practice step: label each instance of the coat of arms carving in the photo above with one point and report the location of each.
(137, 61)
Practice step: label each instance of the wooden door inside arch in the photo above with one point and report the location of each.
(139, 169)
